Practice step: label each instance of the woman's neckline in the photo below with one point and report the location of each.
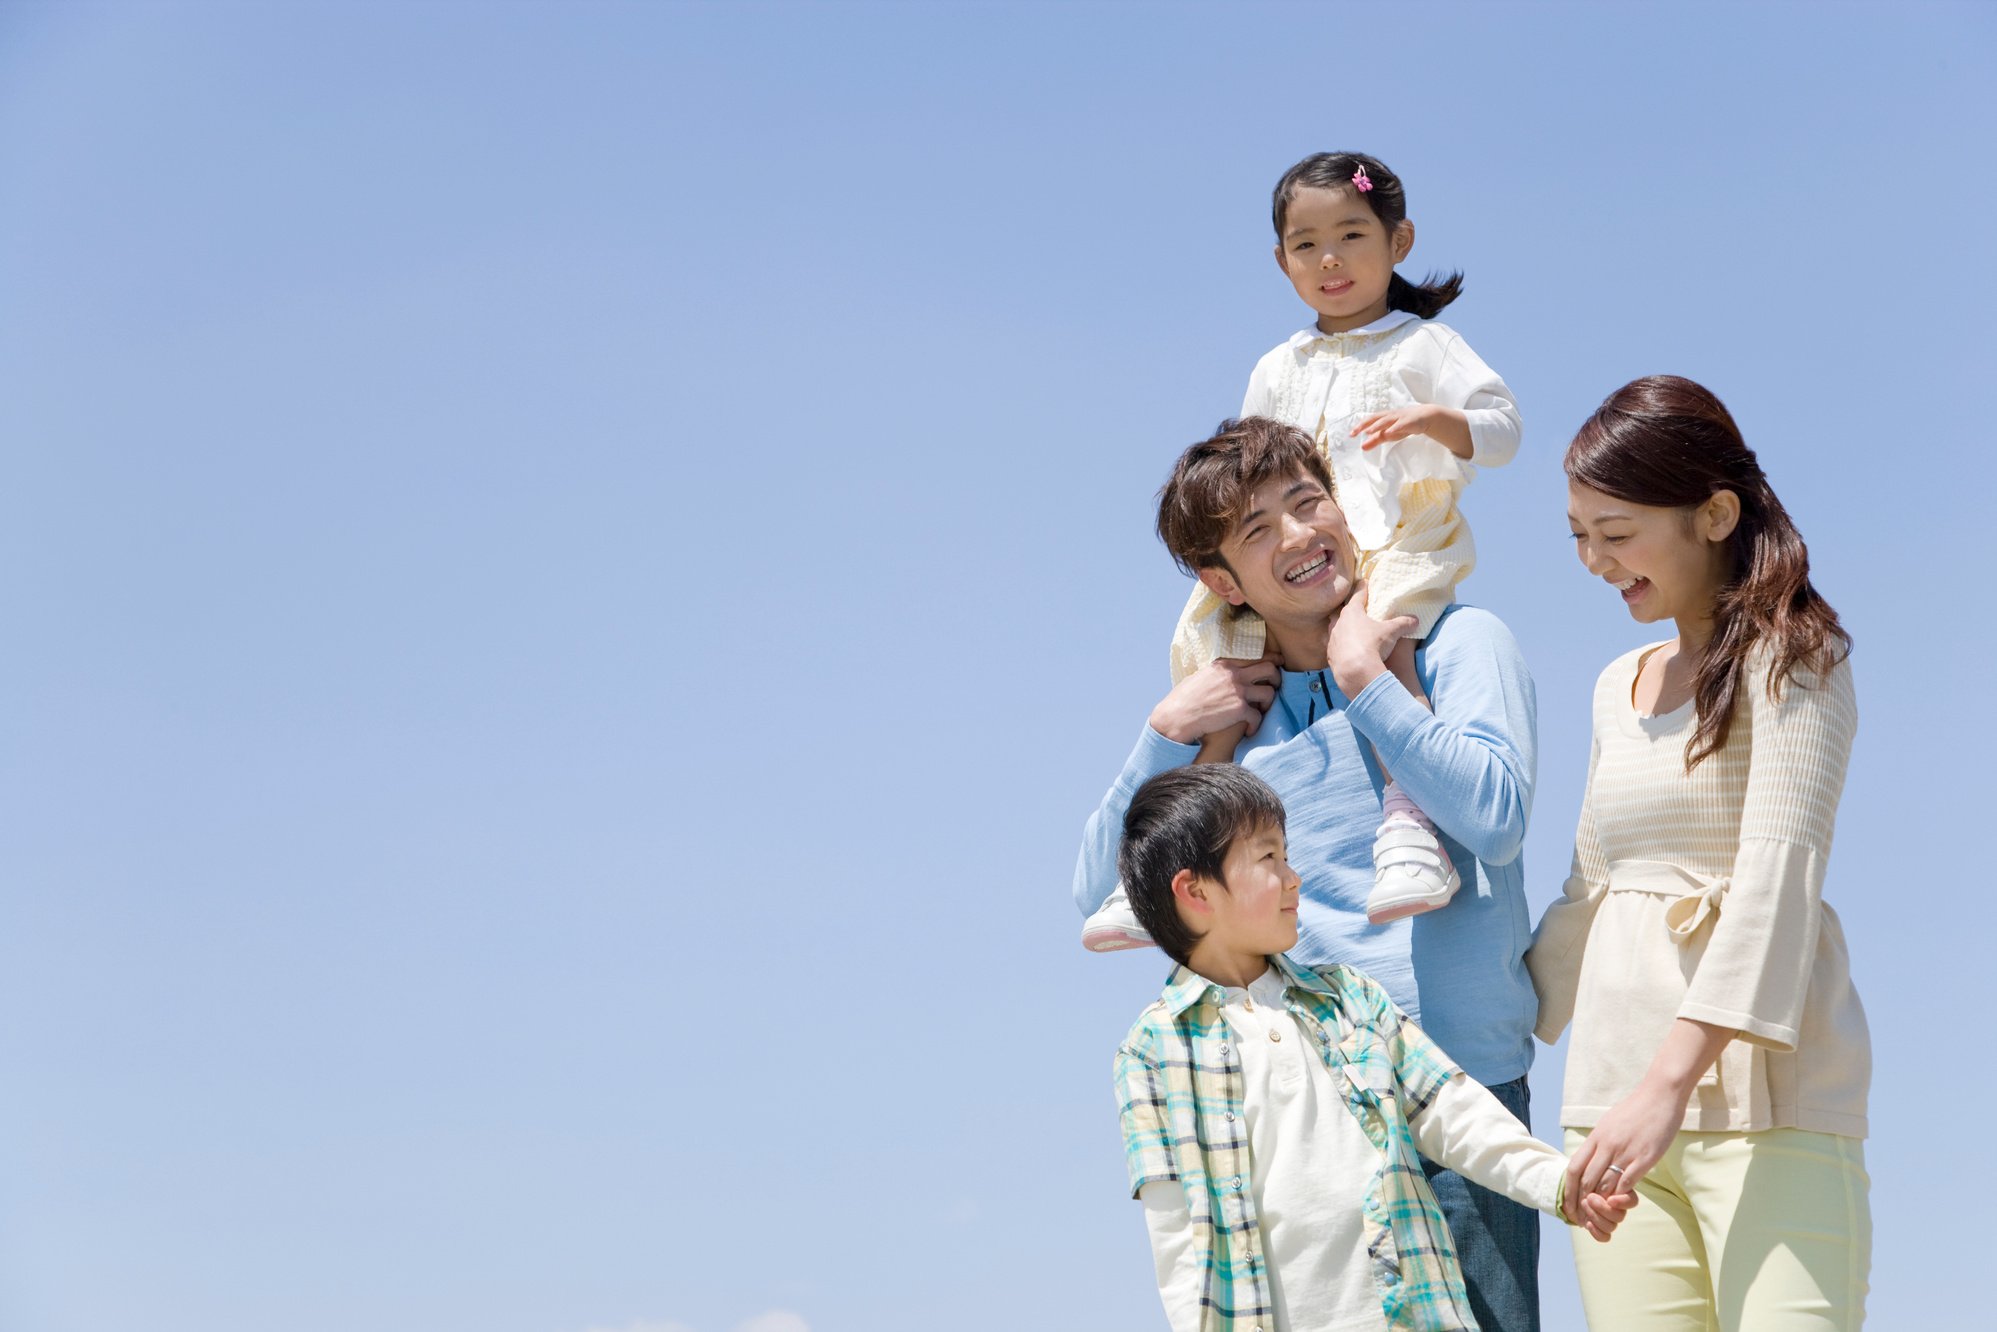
(1648, 721)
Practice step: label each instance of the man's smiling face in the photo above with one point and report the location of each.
(1289, 556)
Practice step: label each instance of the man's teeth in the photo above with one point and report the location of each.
(1306, 570)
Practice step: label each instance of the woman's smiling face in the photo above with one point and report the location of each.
(1667, 564)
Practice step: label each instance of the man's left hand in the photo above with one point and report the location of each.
(1358, 644)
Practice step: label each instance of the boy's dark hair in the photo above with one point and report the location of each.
(1213, 479)
(1389, 202)
(1187, 818)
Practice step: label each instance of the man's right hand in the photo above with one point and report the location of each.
(1219, 695)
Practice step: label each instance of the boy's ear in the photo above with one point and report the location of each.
(1189, 891)
(1221, 583)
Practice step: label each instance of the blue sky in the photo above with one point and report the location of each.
(573, 571)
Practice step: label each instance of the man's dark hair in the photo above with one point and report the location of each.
(1214, 479)
(1187, 818)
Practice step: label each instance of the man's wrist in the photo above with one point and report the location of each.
(1167, 723)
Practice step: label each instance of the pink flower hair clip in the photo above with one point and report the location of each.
(1360, 180)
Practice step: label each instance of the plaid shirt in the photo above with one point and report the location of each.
(1179, 1092)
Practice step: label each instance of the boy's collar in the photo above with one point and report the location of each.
(1187, 987)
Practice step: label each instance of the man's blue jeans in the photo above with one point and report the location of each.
(1497, 1240)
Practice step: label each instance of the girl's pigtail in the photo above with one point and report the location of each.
(1426, 300)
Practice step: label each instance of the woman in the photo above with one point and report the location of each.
(1720, 1058)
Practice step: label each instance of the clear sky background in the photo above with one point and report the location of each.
(572, 571)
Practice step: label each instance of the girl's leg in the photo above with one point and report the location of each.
(1652, 1277)
(1790, 1223)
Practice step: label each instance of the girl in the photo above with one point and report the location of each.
(1717, 1037)
(1404, 412)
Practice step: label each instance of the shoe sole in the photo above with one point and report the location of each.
(1114, 941)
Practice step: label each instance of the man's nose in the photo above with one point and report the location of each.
(1296, 531)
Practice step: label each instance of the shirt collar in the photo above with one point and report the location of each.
(1386, 323)
(1187, 987)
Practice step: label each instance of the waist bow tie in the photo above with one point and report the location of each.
(1695, 898)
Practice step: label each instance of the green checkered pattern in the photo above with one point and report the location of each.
(1179, 1090)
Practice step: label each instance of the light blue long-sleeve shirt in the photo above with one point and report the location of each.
(1459, 970)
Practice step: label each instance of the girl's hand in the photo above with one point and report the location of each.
(1445, 425)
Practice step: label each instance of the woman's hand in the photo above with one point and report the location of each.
(1637, 1130)
(1627, 1141)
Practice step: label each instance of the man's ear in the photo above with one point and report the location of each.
(1719, 515)
(1189, 890)
(1221, 583)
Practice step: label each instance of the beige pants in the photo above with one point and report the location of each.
(1415, 575)
(1737, 1232)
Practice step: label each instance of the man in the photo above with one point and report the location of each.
(1251, 513)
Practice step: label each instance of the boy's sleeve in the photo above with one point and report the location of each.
(1469, 1130)
(1147, 1127)
(1171, 1228)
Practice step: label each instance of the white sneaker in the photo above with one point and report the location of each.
(1114, 927)
(1411, 871)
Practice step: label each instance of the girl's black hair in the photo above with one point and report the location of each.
(1389, 202)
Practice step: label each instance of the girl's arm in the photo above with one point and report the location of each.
(1460, 403)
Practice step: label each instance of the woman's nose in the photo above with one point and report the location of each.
(1592, 558)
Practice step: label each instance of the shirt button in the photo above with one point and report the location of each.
(1275, 1035)
(1223, 1047)
(1315, 686)
(1234, 1183)
(1214, 994)
(1230, 1116)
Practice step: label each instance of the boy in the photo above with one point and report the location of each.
(1272, 1113)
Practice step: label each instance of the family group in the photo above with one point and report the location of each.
(1325, 1112)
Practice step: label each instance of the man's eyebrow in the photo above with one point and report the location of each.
(1296, 487)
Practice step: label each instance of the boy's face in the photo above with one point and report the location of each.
(1254, 909)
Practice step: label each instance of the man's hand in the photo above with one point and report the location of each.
(1445, 425)
(1219, 695)
(1358, 644)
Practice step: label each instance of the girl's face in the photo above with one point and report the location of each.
(1666, 564)
(1340, 257)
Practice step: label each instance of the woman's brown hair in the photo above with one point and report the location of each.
(1668, 443)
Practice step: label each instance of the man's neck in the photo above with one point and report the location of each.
(1302, 645)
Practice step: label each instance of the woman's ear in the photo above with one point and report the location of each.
(1719, 515)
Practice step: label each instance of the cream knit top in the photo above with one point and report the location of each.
(1700, 896)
